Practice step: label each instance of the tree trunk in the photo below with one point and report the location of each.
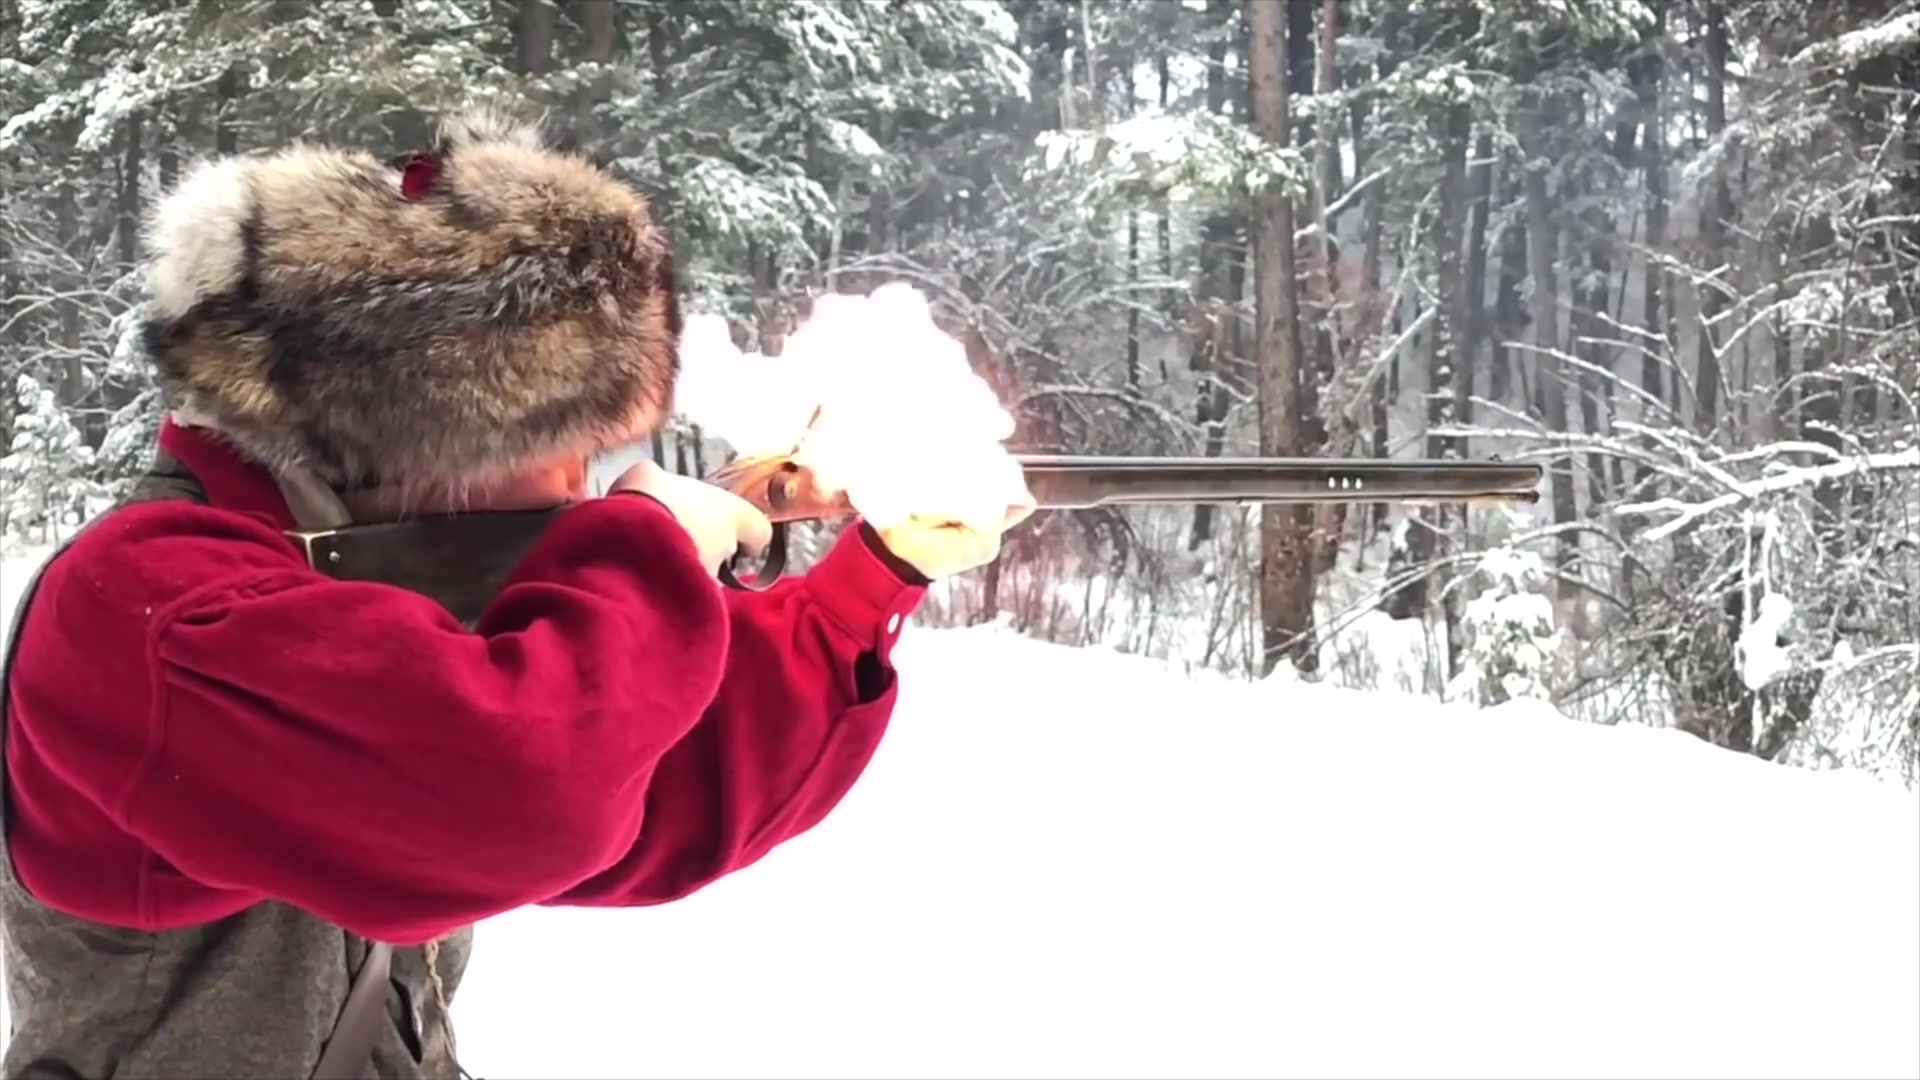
(1163, 73)
(1299, 52)
(66, 216)
(11, 275)
(1326, 83)
(11, 279)
(1286, 598)
(1823, 387)
(132, 150)
(1509, 314)
(128, 201)
(1133, 260)
(1216, 312)
(597, 20)
(1318, 355)
(1654, 317)
(1473, 291)
(226, 92)
(533, 28)
(658, 57)
(1445, 362)
(1370, 321)
(1375, 317)
(1589, 305)
(1551, 385)
(1327, 432)
(1714, 219)
(170, 159)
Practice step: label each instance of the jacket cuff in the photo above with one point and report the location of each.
(901, 568)
(861, 593)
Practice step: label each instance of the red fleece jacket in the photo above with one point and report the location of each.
(199, 722)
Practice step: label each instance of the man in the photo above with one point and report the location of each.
(257, 795)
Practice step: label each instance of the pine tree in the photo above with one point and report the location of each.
(45, 489)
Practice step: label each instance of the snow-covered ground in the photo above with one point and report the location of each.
(1073, 863)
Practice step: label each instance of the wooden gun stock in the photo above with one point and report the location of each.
(786, 493)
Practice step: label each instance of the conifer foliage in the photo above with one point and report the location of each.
(1669, 249)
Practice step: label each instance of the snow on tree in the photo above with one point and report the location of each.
(1662, 247)
(1511, 635)
(127, 445)
(45, 489)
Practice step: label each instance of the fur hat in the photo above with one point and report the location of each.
(438, 320)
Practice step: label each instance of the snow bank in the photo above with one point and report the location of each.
(1073, 863)
(1070, 863)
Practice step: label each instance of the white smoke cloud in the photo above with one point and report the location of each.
(899, 420)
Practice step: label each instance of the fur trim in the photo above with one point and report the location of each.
(320, 319)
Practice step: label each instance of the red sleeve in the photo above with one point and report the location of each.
(352, 750)
(807, 694)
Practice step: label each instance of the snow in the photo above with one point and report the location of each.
(1858, 46)
(1179, 154)
(1762, 656)
(853, 140)
(1513, 639)
(1777, 480)
(1069, 862)
(1072, 863)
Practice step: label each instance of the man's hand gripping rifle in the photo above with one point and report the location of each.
(786, 492)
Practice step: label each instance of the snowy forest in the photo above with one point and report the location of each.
(1667, 249)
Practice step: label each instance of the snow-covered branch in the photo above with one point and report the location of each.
(1745, 490)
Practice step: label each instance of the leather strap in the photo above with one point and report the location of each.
(348, 1054)
(460, 560)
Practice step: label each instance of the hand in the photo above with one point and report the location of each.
(941, 547)
(720, 522)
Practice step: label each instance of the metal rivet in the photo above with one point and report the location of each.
(333, 556)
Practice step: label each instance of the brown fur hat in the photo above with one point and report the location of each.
(442, 320)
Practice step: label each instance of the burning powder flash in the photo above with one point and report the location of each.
(903, 426)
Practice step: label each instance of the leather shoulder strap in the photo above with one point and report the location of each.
(348, 1054)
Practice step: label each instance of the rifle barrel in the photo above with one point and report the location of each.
(1067, 482)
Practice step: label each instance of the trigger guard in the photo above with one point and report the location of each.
(770, 569)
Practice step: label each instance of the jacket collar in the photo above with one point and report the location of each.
(231, 481)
